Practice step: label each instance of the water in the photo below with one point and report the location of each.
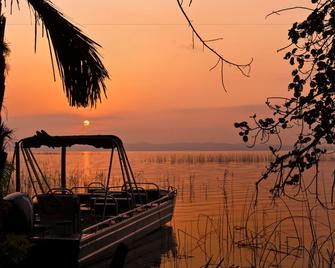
(215, 218)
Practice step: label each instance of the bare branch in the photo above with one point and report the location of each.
(277, 12)
(213, 40)
(243, 68)
(216, 64)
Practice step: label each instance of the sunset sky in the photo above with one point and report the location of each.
(161, 90)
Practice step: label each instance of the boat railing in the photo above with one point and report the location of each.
(60, 190)
(116, 219)
(143, 185)
(172, 189)
(115, 187)
(93, 200)
(143, 192)
(97, 184)
(86, 189)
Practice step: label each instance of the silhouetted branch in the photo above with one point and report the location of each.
(277, 12)
(243, 68)
(310, 109)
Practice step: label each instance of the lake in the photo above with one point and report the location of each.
(216, 220)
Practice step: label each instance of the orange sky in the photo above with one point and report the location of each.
(160, 89)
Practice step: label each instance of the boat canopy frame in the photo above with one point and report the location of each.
(42, 138)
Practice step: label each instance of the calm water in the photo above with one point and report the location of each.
(215, 218)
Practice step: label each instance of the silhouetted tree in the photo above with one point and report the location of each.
(310, 110)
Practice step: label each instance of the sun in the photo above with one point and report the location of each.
(86, 123)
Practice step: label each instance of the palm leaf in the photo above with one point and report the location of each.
(5, 135)
(4, 51)
(79, 65)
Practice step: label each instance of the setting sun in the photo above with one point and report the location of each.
(86, 123)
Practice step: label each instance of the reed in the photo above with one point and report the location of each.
(210, 157)
(261, 241)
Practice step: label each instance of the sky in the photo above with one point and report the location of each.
(161, 89)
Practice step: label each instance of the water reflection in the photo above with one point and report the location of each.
(86, 163)
(148, 251)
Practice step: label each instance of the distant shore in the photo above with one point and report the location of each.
(182, 147)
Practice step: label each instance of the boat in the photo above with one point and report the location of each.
(80, 225)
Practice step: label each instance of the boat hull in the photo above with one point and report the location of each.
(51, 251)
(103, 242)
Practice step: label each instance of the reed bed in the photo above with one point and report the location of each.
(208, 157)
(217, 157)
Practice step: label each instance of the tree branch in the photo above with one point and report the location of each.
(243, 68)
(277, 12)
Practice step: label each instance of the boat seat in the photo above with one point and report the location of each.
(119, 194)
(139, 193)
(124, 203)
(141, 198)
(84, 198)
(98, 203)
(122, 198)
(92, 190)
(59, 213)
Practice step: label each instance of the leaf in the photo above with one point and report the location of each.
(292, 61)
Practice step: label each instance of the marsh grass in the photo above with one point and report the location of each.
(175, 158)
(273, 236)
(210, 157)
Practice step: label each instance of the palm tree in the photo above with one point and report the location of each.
(79, 65)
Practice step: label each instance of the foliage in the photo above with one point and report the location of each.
(4, 49)
(5, 167)
(5, 135)
(311, 109)
(13, 250)
(6, 176)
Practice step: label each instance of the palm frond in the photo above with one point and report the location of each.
(78, 61)
(5, 135)
(4, 51)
